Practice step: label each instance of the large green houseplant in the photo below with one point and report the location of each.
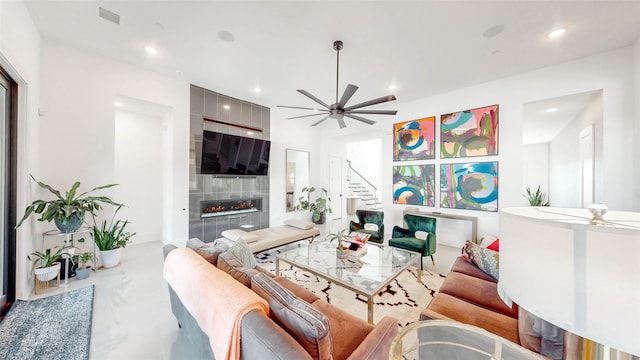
(319, 206)
(110, 238)
(67, 211)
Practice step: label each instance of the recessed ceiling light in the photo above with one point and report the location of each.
(550, 110)
(117, 104)
(392, 87)
(150, 50)
(257, 89)
(249, 132)
(556, 33)
(226, 107)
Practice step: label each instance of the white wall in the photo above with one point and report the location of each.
(564, 158)
(138, 165)
(20, 56)
(77, 133)
(636, 130)
(535, 167)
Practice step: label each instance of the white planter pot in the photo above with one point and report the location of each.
(48, 273)
(110, 258)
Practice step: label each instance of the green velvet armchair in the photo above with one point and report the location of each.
(406, 238)
(369, 217)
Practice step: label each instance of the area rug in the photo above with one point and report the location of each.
(404, 298)
(54, 327)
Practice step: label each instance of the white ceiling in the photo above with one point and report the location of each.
(424, 47)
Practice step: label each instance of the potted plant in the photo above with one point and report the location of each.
(45, 264)
(339, 236)
(318, 207)
(536, 198)
(83, 270)
(67, 211)
(111, 238)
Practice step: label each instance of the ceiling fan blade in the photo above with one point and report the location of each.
(303, 116)
(360, 118)
(321, 120)
(374, 112)
(307, 94)
(372, 102)
(341, 122)
(348, 93)
(298, 107)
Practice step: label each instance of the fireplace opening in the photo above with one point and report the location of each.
(212, 208)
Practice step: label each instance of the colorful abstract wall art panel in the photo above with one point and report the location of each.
(414, 140)
(469, 133)
(471, 186)
(414, 185)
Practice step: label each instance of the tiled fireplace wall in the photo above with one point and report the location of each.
(211, 105)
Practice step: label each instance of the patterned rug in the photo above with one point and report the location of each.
(404, 298)
(55, 327)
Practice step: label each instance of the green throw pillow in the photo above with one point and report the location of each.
(485, 259)
(241, 251)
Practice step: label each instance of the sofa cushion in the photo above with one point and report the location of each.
(237, 234)
(447, 307)
(468, 268)
(228, 263)
(297, 290)
(485, 259)
(241, 251)
(208, 251)
(347, 331)
(302, 321)
(299, 224)
(477, 291)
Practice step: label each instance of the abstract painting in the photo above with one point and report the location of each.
(469, 133)
(414, 140)
(471, 186)
(414, 185)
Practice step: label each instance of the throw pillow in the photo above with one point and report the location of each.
(299, 224)
(242, 252)
(232, 266)
(485, 259)
(303, 322)
(208, 251)
(237, 234)
(495, 245)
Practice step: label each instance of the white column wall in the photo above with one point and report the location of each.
(77, 132)
(20, 56)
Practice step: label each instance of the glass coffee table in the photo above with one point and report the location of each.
(366, 275)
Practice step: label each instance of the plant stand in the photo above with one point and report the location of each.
(68, 240)
(43, 286)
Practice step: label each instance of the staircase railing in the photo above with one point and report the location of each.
(351, 170)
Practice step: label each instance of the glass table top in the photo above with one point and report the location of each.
(366, 274)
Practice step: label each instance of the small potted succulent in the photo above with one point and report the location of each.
(339, 236)
(84, 269)
(537, 197)
(318, 207)
(45, 264)
(67, 211)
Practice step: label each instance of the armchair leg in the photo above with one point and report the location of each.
(420, 270)
(433, 262)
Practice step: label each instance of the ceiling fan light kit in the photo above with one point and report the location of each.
(338, 110)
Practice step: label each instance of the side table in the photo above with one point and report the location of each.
(68, 240)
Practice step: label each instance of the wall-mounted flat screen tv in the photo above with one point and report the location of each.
(224, 154)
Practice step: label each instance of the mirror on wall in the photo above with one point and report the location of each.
(297, 176)
(563, 148)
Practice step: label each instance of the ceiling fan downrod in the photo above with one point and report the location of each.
(337, 46)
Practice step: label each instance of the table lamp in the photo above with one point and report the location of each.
(578, 269)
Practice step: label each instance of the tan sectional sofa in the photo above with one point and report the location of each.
(288, 332)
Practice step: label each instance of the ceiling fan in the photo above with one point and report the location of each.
(338, 110)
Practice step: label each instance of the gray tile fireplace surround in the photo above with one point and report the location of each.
(210, 105)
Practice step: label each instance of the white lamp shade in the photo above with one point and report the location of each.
(580, 277)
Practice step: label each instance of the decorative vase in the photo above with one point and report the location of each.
(48, 273)
(70, 224)
(110, 258)
(318, 217)
(82, 274)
